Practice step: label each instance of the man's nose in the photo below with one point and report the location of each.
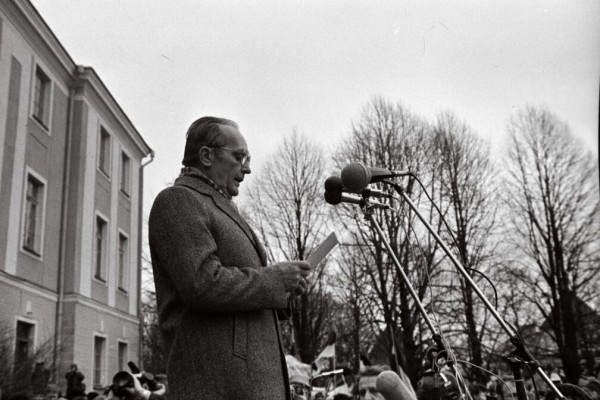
(246, 168)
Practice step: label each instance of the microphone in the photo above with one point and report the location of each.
(390, 385)
(334, 184)
(336, 198)
(356, 176)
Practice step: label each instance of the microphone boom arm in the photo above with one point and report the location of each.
(514, 335)
(441, 345)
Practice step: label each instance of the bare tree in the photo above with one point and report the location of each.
(24, 369)
(552, 191)
(466, 175)
(153, 357)
(286, 207)
(388, 135)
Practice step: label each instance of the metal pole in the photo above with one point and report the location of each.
(437, 337)
(514, 334)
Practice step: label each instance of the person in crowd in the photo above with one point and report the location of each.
(300, 387)
(438, 385)
(127, 386)
(217, 297)
(478, 391)
(40, 377)
(367, 389)
(52, 392)
(348, 387)
(571, 392)
(588, 381)
(554, 374)
(75, 385)
(367, 384)
(492, 385)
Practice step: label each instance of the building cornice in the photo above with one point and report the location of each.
(22, 284)
(44, 42)
(40, 37)
(84, 301)
(91, 86)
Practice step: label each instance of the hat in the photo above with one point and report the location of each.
(301, 379)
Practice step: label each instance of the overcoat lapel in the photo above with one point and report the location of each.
(224, 205)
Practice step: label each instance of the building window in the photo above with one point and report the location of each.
(24, 344)
(125, 173)
(33, 215)
(104, 152)
(99, 347)
(100, 248)
(24, 349)
(122, 356)
(123, 258)
(41, 97)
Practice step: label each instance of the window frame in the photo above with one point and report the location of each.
(102, 157)
(99, 383)
(123, 367)
(104, 256)
(125, 270)
(37, 251)
(125, 184)
(32, 348)
(45, 120)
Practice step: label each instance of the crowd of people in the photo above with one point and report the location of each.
(125, 386)
(441, 384)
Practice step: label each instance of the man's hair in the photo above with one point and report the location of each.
(373, 370)
(205, 131)
(438, 386)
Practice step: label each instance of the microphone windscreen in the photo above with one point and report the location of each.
(356, 177)
(334, 184)
(333, 197)
(390, 385)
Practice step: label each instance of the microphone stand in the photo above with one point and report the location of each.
(521, 355)
(441, 346)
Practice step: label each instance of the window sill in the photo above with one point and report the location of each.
(31, 253)
(41, 124)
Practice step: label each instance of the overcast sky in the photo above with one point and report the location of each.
(313, 64)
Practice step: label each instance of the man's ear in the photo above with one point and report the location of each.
(205, 156)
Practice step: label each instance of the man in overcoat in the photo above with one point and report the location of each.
(217, 297)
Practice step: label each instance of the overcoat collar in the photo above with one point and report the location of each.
(224, 205)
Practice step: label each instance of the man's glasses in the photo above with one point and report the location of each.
(243, 157)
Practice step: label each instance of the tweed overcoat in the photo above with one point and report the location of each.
(216, 298)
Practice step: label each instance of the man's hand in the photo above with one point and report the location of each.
(140, 391)
(293, 273)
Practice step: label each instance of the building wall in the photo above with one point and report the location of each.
(26, 302)
(63, 154)
(90, 321)
(45, 156)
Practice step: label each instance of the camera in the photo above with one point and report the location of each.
(146, 378)
(123, 387)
